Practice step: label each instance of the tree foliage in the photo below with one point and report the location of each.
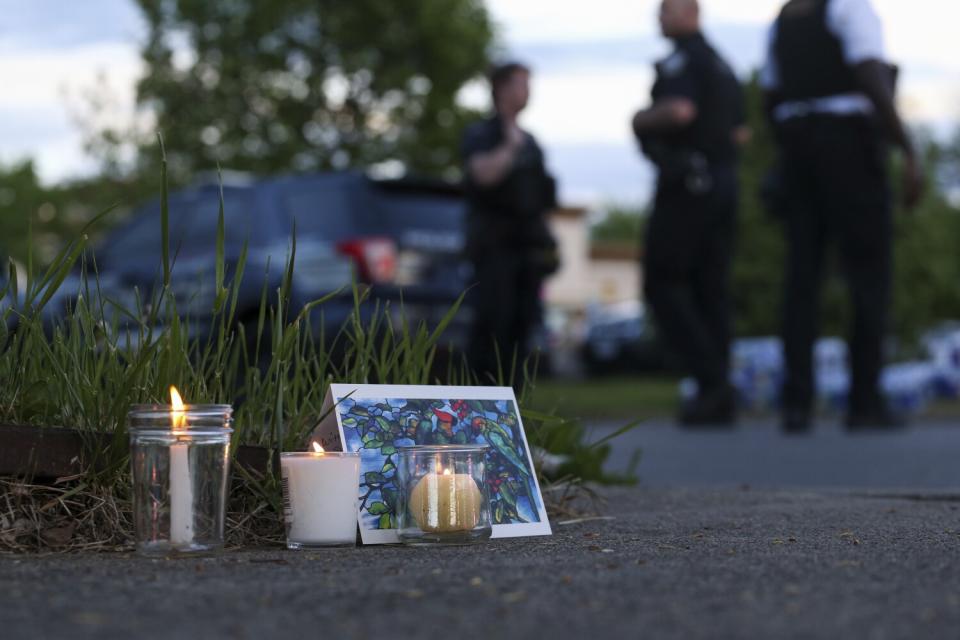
(34, 218)
(620, 225)
(37, 219)
(292, 85)
(758, 257)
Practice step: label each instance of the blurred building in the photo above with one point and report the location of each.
(589, 274)
(590, 279)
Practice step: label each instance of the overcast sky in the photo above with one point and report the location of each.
(591, 59)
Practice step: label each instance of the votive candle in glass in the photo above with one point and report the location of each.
(443, 495)
(180, 463)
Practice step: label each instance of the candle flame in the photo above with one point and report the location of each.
(176, 414)
(317, 448)
(446, 471)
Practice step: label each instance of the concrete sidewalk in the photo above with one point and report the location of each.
(672, 564)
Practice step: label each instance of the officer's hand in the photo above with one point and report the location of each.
(514, 136)
(682, 111)
(913, 181)
(742, 135)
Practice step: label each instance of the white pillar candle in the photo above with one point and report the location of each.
(181, 482)
(320, 494)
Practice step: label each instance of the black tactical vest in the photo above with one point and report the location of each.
(809, 56)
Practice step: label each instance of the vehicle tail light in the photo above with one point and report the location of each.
(376, 258)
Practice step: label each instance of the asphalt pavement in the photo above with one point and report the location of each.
(742, 534)
(926, 455)
(672, 563)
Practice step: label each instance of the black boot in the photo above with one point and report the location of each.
(796, 420)
(716, 407)
(877, 418)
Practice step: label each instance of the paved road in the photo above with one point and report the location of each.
(673, 564)
(925, 456)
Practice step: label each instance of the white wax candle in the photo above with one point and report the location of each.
(320, 497)
(181, 495)
(181, 483)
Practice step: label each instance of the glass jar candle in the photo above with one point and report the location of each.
(443, 494)
(180, 462)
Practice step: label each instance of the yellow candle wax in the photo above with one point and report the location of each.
(446, 502)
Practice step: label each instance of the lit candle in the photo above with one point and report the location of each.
(320, 494)
(181, 483)
(446, 502)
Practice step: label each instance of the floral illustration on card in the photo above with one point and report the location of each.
(377, 427)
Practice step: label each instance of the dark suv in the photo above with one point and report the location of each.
(401, 238)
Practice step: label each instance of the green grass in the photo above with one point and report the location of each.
(626, 399)
(607, 399)
(943, 410)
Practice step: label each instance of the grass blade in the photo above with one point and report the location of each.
(164, 214)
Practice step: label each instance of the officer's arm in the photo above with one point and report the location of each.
(873, 77)
(667, 114)
(488, 168)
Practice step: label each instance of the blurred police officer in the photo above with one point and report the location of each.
(691, 132)
(830, 97)
(509, 193)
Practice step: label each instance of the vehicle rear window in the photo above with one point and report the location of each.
(423, 221)
(193, 227)
(402, 211)
(331, 210)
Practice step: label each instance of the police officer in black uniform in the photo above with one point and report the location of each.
(830, 98)
(691, 132)
(509, 193)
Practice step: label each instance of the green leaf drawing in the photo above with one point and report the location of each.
(372, 477)
(378, 508)
(384, 522)
(390, 497)
(507, 493)
(489, 426)
(424, 431)
(476, 406)
(504, 448)
(498, 513)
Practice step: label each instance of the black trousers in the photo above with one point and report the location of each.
(506, 307)
(687, 254)
(837, 189)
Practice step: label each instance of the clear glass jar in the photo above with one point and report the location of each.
(180, 464)
(443, 494)
(320, 498)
